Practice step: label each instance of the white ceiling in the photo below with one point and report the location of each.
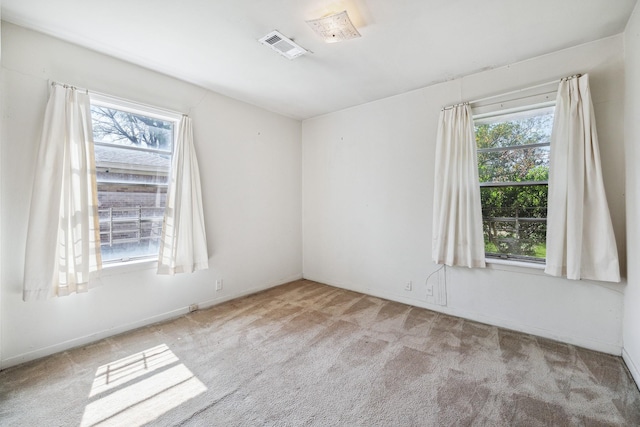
(405, 44)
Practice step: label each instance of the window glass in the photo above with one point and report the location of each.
(513, 167)
(133, 157)
(131, 129)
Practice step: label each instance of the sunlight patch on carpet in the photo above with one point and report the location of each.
(139, 388)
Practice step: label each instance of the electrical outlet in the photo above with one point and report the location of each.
(408, 286)
(429, 290)
(436, 290)
(193, 307)
(219, 285)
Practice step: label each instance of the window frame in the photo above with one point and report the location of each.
(107, 101)
(502, 105)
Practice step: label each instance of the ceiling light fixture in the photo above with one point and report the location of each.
(334, 28)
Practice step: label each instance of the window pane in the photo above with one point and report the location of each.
(517, 165)
(514, 148)
(115, 164)
(515, 221)
(132, 177)
(129, 231)
(125, 128)
(507, 130)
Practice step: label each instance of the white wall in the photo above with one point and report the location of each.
(1, 151)
(367, 204)
(250, 170)
(367, 186)
(631, 329)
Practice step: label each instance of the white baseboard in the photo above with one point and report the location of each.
(479, 317)
(633, 368)
(90, 338)
(216, 301)
(511, 324)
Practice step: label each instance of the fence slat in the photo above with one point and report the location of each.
(154, 223)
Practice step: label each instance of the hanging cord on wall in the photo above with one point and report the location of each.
(442, 267)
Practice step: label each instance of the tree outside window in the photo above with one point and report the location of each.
(133, 158)
(513, 167)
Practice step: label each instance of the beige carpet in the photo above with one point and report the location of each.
(310, 354)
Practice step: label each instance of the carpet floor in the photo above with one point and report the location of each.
(309, 354)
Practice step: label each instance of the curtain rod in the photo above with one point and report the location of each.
(66, 86)
(123, 100)
(488, 98)
(449, 107)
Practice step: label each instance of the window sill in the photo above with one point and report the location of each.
(515, 266)
(112, 269)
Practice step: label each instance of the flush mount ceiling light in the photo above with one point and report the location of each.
(283, 45)
(334, 28)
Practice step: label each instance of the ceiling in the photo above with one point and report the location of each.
(405, 44)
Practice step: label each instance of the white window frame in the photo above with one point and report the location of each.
(515, 102)
(115, 103)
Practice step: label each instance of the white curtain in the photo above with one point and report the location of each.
(580, 239)
(62, 252)
(183, 247)
(457, 211)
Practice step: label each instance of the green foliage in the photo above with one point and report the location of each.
(490, 247)
(513, 214)
(540, 251)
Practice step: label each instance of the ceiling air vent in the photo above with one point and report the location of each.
(284, 46)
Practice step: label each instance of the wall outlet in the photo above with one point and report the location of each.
(429, 289)
(219, 285)
(193, 307)
(436, 287)
(408, 286)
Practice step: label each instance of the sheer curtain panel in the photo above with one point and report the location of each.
(62, 252)
(580, 239)
(183, 247)
(457, 211)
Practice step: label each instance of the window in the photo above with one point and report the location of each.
(133, 148)
(513, 164)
